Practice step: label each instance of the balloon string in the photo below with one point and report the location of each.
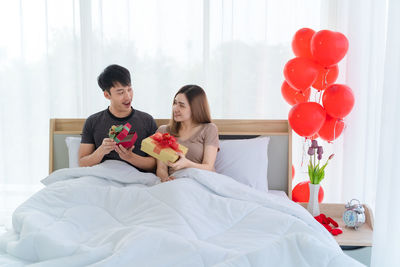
(334, 130)
(302, 156)
(324, 84)
(326, 78)
(305, 150)
(320, 95)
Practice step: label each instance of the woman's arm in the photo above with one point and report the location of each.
(209, 156)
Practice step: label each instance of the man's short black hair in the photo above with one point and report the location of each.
(113, 74)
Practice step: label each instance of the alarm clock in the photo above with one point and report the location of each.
(354, 215)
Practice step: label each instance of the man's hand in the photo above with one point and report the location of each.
(107, 146)
(124, 153)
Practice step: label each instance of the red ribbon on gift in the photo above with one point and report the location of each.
(164, 141)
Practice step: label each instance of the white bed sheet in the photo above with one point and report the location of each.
(278, 193)
(109, 215)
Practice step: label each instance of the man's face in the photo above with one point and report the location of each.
(120, 97)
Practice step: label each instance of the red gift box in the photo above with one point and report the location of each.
(124, 138)
(128, 141)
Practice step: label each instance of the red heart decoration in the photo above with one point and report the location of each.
(301, 43)
(293, 96)
(336, 231)
(306, 119)
(300, 73)
(331, 129)
(326, 76)
(328, 47)
(338, 100)
(301, 192)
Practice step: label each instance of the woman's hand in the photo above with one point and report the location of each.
(181, 163)
(169, 178)
(124, 153)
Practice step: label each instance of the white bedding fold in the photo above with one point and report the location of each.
(113, 215)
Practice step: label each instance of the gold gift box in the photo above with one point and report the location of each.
(165, 155)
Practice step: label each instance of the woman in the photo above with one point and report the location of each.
(192, 127)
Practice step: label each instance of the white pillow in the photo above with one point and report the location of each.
(245, 160)
(73, 144)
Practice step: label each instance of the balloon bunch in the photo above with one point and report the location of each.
(315, 65)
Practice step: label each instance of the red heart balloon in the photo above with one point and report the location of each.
(326, 76)
(293, 96)
(338, 100)
(328, 47)
(301, 43)
(315, 136)
(301, 192)
(307, 118)
(300, 73)
(331, 129)
(293, 172)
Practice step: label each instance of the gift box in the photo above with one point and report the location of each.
(163, 147)
(120, 134)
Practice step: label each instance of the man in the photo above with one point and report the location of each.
(96, 147)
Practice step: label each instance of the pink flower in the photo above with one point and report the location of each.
(316, 172)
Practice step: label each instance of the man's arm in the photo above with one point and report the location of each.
(88, 156)
(144, 163)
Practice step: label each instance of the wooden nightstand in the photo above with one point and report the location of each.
(355, 243)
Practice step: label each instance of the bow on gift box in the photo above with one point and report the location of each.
(119, 132)
(114, 130)
(164, 141)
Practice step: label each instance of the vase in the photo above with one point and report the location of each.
(313, 205)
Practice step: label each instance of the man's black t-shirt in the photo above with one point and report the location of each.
(97, 126)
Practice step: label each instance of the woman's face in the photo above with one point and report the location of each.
(181, 108)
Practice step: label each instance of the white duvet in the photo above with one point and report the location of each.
(113, 215)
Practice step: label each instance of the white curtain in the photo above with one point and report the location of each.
(386, 236)
(366, 25)
(51, 53)
(369, 152)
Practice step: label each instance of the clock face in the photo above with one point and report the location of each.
(350, 218)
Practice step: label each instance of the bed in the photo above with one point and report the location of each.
(113, 215)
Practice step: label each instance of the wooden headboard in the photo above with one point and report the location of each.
(280, 145)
